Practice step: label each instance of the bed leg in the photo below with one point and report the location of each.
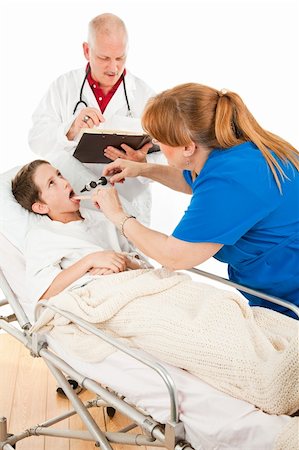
(87, 419)
(3, 429)
(3, 434)
(174, 433)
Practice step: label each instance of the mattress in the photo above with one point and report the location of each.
(212, 419)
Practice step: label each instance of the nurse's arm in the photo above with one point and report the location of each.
(168, 251)
(171, 177)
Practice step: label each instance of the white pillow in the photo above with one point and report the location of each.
(15, 220)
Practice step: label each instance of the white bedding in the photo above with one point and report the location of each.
(249, 353)
(213, 420)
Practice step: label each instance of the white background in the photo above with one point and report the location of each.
(250, 47)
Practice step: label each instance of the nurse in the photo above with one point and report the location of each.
(104, 90)
(244, 187)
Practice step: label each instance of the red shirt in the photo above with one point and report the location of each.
(101, 98)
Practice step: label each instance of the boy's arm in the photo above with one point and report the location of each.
(66, 277)
(114, 262)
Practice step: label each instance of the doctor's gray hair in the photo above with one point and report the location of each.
(108, 24)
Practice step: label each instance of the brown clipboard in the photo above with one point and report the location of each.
(90, 148)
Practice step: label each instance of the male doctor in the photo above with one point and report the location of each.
(103, 91)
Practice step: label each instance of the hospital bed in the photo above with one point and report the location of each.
(173, 408)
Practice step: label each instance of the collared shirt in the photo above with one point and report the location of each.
(101, 98)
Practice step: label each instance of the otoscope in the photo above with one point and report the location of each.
(88, 187)
(93, 184)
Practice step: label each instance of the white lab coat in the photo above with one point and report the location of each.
(54, 116)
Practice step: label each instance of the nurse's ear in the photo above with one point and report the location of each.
(189, 150)
(40, 208)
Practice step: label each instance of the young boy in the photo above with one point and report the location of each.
(72, 245)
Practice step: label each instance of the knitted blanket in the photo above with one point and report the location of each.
(249, 353)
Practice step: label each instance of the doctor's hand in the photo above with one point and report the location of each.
(128, 152)
(87, 118)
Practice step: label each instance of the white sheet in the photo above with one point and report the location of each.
(213, 420)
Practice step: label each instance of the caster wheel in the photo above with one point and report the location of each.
(76, 387)
(110, 411)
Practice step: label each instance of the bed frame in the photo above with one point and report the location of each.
(170, 436)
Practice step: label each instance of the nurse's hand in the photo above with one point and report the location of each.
(120, 169)
(128, 152)
(107, 200)
(87, 118)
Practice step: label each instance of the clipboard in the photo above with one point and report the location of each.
(90, 148)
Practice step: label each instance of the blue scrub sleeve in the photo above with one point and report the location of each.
(221, 210)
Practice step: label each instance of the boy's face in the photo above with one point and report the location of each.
(55, 193)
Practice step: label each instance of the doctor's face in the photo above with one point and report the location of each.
(107, 57)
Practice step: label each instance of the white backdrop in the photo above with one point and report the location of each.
(249, 46)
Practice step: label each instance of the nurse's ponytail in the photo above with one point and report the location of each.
(235, 124)
(215, 119)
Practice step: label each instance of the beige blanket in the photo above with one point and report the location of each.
(251, 354)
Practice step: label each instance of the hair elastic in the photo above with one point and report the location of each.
(222, 92)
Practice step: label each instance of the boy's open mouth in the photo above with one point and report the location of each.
(73, 198)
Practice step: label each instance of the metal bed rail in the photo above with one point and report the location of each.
(13, 302)
(240, 287)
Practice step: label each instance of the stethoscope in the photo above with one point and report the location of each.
(129, 113)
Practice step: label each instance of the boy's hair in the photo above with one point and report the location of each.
(23, 187)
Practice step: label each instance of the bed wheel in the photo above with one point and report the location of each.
(76, 388)
(110, 411)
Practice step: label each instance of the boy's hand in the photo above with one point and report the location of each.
(102, 271)
(107, 259)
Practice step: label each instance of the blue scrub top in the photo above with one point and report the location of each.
(236, 202)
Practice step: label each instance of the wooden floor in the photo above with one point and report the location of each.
(28, 397)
